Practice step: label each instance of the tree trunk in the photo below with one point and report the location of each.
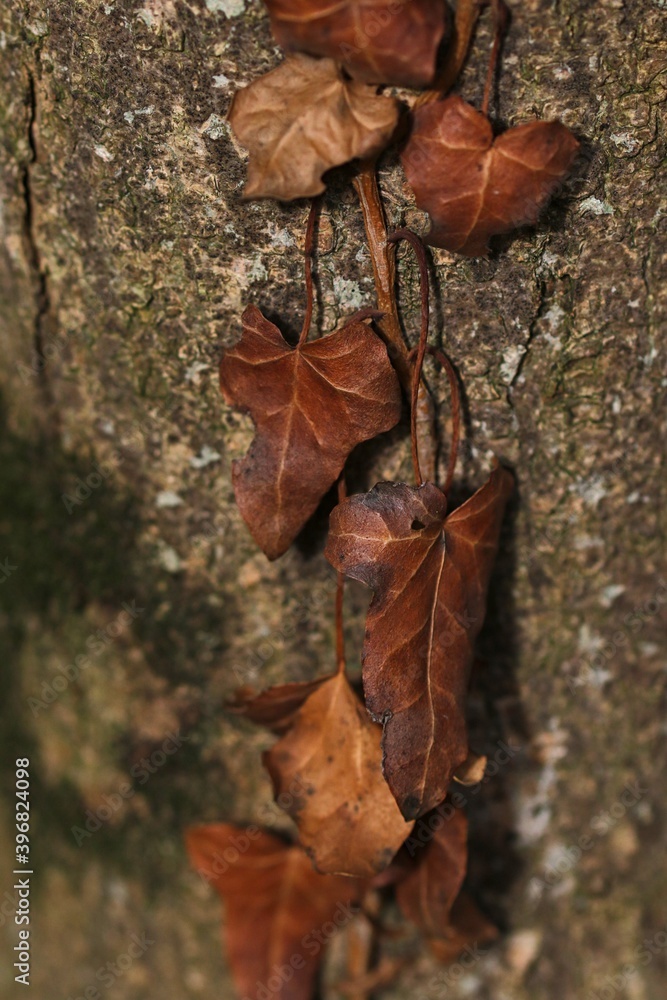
(138, 600)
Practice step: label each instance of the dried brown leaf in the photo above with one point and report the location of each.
(311, 405)
(276, 707)
(430, 576)
(348, 820)
(378, 41)
(302, 119)
(474, 187)
(274, 902)
(427, 894)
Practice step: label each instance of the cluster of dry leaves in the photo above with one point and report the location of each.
(357, 770)
(322, 107)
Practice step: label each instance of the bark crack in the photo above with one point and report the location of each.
(43, 312)
(532, 333)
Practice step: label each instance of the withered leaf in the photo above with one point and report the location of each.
(311, 405)
(276, 707)
(378, 41)
(474, 187)
(348, 819)
(427, 894)
(430, 576)
(274, 901)
(302, 119)
(467, 926)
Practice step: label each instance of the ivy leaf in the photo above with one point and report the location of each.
(474, 187)
(302, 119)
(274, 902)
(347, 818)
(430, 576)
(377, 41)
(311, 405)
(276, 707)
(427, 894)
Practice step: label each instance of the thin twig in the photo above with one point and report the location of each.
(455, 393)
(340, 592)
(418, 247)
(500, 19)
(384, 274)
(308, 253)
(384, 268)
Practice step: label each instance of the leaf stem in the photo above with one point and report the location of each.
(500, 20)
(465, 21)
(308, 253)
(418, 247)
(340, 591)
(384, 273)
(384, 267)
(455, 393)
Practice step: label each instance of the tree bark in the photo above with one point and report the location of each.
(126, 257)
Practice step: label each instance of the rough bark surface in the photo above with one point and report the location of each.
(126, 257)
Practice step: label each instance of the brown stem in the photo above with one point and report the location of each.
(384, 273)
(465, 21)
(360, 942)
(384, 268)
(456, 407)
(340, 590)
(308, 253)
(418, 247)
(500, 19)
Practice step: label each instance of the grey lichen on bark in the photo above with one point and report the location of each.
(126, 256)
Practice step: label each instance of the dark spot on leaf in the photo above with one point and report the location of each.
(410, 807)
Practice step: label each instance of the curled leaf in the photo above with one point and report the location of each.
(311, 405)
(474, 187)
(430, 576)
(467, 927)
(471, 771)
(377, 41)
(427, 894)
(348, 820)
(302, 119)
(276, 904)
(276, 707)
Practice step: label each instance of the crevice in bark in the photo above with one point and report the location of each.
(532, 333)
(42, 321)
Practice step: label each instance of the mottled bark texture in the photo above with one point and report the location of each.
(126, 257)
